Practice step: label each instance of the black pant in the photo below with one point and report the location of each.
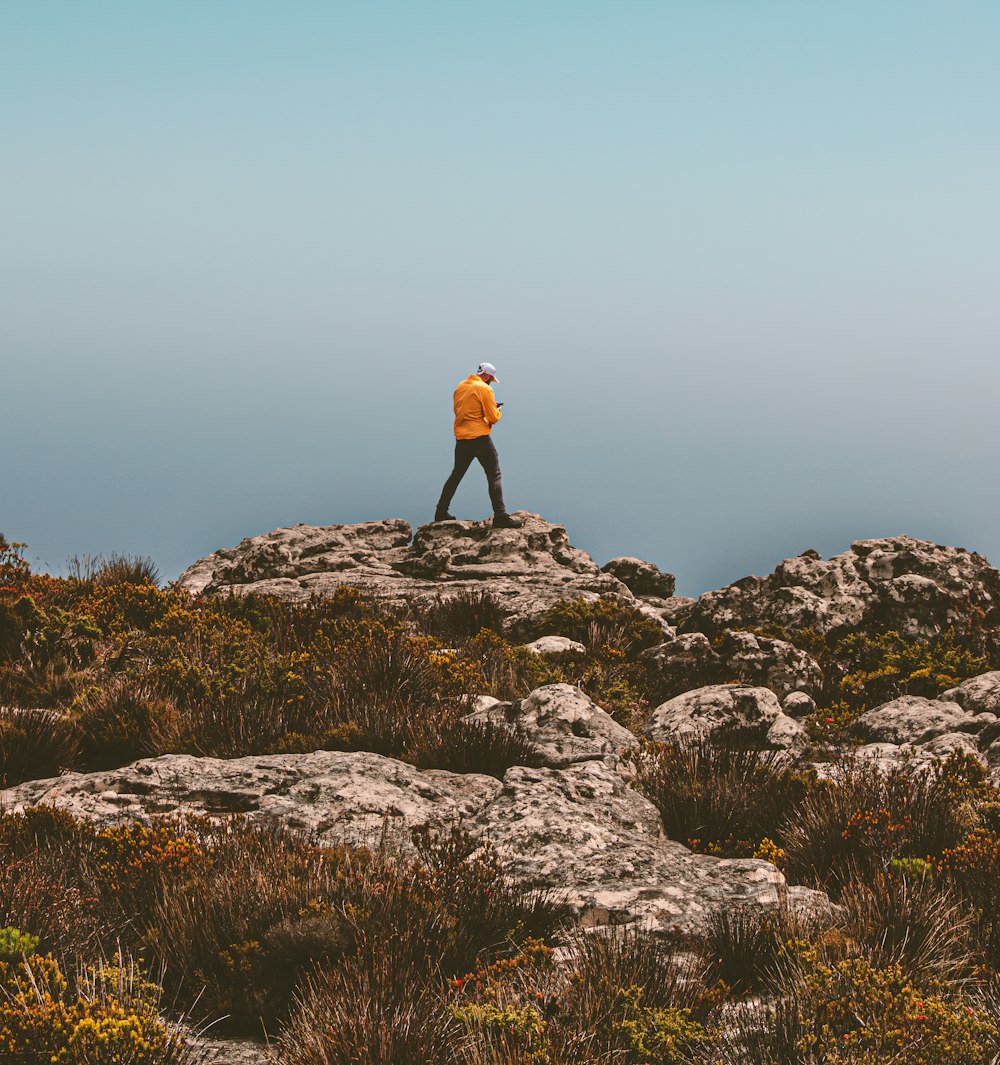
(480, 448)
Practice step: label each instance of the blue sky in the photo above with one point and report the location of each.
(736, 264)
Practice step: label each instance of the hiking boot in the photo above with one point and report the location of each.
(443, 515)
(505, 521)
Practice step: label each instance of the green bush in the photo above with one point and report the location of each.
(717, 793)
(601, 623)
(107, 1015)
(35, 744)
(865, 817)
(124, 721)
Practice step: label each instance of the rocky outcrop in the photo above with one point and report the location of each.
(899, 583)
(580, 831)
(751, 712)
(691, 660)
(641, 578)
(565, 725)
(916, 729)
(527, 569)
(555, 645)
(915, 720)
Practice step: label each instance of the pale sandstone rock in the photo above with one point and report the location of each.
(585, 834)
(691, 660)
(913, 586)
(912, 719)
(798, 705)
(745, 709)
(555, 645)
(564, 724)
(581, 831)
(977, 695)
(527, 570)
(641, 578)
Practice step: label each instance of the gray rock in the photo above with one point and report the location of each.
(527, 570)
(977, 695)
(641, 578)
(755, 711)
(912, 586)
(798, 705)
(334, 795)
(565, 725)
(690, 660)
(686, 662)
(555, 645)
(585, 834)
(915, 720)
(770, 663)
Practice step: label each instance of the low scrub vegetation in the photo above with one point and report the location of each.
(431, 950)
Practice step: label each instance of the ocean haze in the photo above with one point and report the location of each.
(736, 266)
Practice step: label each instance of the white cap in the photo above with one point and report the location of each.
(488, 368)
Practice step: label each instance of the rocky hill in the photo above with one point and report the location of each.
(884, 651)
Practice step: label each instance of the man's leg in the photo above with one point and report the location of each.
(464, 454)
(486, 452)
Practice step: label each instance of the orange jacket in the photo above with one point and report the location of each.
(476, 411)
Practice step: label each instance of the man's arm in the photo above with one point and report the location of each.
(491, 412)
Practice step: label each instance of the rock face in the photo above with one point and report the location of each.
(565, 725)
(912, 586)
(752, 711)
(691, 660)
(580, 831)
(526, 569)
(641, 578)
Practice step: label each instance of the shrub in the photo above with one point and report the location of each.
(124, 721)
(865, 817)
(717, 793)
(505, 671)
(371, 1008)
(750, 948)
(973, 866)
(915, 922)
(853, 1012)
(108, 1014)
(601, 623)
(34, 744)
(456, 618)
(237, 935)
(446, 741)
(626, 995)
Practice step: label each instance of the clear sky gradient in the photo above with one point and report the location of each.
(736, 263)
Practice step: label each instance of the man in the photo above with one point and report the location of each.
(476, 412)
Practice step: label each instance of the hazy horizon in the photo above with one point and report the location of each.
(736, 266)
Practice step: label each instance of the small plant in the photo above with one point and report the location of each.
(456, 618)
(107, 1014)
(717, 793)
(602, 623)
(749, 948)
(34, 744)
(124, 721)
(15, 944)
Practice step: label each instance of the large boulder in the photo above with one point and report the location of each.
(526, 570)
(641, 578)
(690, 660)
(897, 583)
(735, 708)
(565, 725)
(916, 720)
(580, 832)
(977, 695)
